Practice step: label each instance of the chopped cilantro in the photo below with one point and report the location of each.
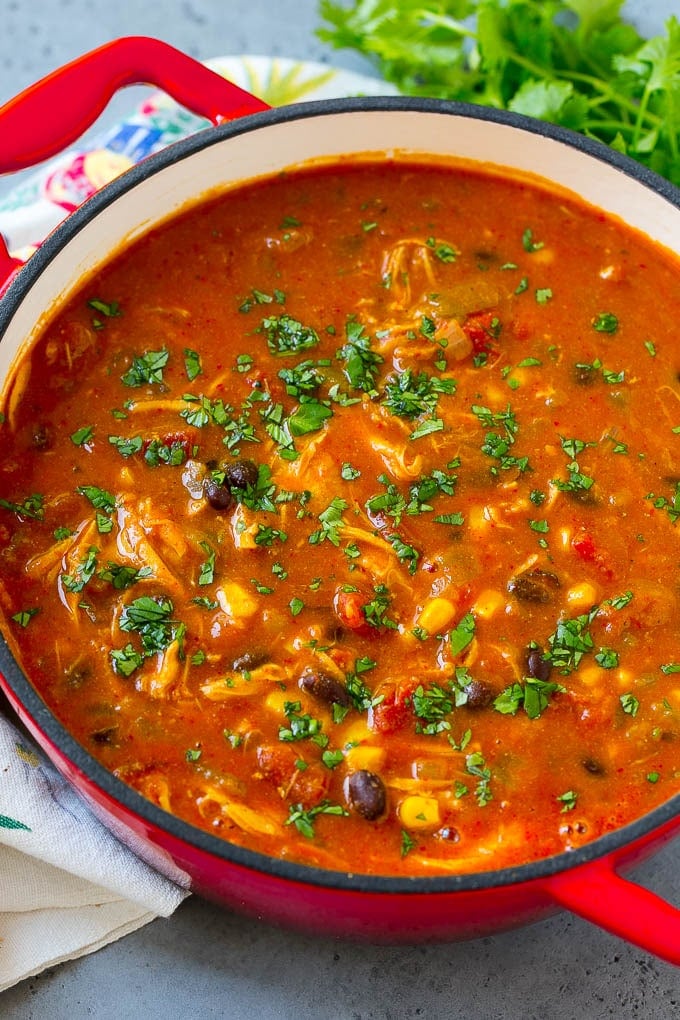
(32, 507)
(146, 368)
(461, 636)
(192, 363)
(286, 335)
(570, 641)
(567, 800)
(605, 322)
(82, 436)
(534, 696)
(24, 616)
(331, 523)
(303, 820)
(629, 704)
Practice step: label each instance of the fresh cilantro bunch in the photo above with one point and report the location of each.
(577, 63)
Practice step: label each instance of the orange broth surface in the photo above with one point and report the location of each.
(338, 518)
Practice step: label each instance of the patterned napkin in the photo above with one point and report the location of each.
(67, 886)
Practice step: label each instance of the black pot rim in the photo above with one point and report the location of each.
(231, 854)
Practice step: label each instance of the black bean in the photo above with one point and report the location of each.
(239, 474)
(366, 794)
(534, 585)
(250, 660)
(218, 496)
(479, 694)
(538, 666)
(324, 687)
(593, 766)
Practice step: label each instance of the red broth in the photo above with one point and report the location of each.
(338, 518)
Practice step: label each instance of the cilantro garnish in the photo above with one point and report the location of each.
(84, 571)
(82, 436)
(121, 576)
(205, 411)
(151, 619)
(534, 696)
(303, 820)
(461, 636)
(577, 483)
(286, 335)
(109, 309)
(671, 506)
(302, 379)
(605, 322)
(375, 610)
(31, 507)
(568, 800)
(309, 416)
(361, 363)
(127, 447)
(409, 396)
(391, 502)
(475, 765)
(99, 498)
(427, 487)
(407, 843)
(629, 704)
(497, 444)
(173, 454)
(207, 570)
(146, 368)
(331, 523)
(24, 616)
(301, 726)
(192, 363)
(570, 641)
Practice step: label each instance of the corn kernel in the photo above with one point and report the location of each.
(435, 615)
(625, 678)
(365, 757)
(488, 604)
(357, 732)
(582, 596)
(418, 812)
(591, 676)
(276, 700)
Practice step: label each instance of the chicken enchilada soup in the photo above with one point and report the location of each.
(338, 517)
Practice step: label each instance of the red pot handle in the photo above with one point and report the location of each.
(48, 116)
(599, 894)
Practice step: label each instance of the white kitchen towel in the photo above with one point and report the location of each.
(67, 885)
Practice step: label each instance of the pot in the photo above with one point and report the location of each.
(588, 881)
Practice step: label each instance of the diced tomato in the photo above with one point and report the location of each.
(584, 544)
(394, 711)
(348, 606)
(586, 549)
(478, 329)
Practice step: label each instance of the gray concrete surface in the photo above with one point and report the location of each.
(204, 961)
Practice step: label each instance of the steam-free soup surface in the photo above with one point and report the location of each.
(338, 518)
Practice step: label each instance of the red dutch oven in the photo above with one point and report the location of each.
(588, 881)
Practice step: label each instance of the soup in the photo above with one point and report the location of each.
(338, 515)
